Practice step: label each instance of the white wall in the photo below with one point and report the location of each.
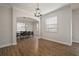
(75, 25)
(5, 26)
(64, 31)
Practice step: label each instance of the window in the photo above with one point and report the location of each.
(20, 26)
(51, 24)
(28, 26)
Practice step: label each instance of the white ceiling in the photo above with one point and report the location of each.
(45, 7)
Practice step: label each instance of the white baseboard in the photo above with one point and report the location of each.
(76, 41)
(8, 45)
(14, 43)
(69, 44)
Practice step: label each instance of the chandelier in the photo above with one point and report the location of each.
(37, 11)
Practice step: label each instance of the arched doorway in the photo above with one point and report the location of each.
(26, 24)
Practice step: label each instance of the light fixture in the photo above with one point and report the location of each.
(37, 11)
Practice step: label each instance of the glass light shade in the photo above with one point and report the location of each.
(37, 12)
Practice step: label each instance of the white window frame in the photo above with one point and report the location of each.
(21, 27)
(51, 26)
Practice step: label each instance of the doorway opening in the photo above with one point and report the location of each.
(26, 28)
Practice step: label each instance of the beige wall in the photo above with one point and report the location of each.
(64, 26)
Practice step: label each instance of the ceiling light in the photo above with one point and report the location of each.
(37, 11)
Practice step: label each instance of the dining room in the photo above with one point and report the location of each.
(26, 28)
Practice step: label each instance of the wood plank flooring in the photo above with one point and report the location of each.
(33, 47)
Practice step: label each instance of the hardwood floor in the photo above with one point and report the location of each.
(33, 47)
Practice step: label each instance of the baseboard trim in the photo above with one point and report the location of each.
(14, 43)
(57, 41)
(76, 41)
(6, 45)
